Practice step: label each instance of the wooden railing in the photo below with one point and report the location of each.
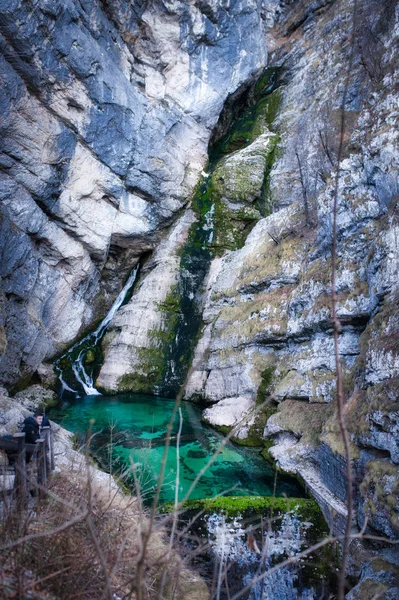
(42, 453)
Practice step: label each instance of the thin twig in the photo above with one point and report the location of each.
(337, 326)
(33, 536)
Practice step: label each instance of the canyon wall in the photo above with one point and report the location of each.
(106, 112)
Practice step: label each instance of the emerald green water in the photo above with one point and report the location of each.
(132, 429)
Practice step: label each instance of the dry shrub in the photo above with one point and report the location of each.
(94, 556)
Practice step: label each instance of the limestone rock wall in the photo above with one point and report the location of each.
(133, 357)
(106, 111)
(267, 331)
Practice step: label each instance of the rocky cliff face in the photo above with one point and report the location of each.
(107, 108)
(267, 325)
(267, 333)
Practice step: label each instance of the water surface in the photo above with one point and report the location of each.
(131, 429)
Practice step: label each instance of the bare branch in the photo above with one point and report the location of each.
(33, 536)
(337, 327)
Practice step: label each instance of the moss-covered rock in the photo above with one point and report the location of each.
(304, 420)
(246, 520)
(255, 505)
(35, 397)
(380, 497)
(239, 177)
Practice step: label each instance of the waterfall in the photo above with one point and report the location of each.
(209, 225)
(76, 354)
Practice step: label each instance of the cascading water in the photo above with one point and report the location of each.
(209, 225)
(75, 356)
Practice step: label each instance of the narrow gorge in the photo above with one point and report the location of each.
(168, 178)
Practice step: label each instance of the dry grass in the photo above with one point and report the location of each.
(83, 541)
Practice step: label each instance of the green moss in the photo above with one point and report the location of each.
(266, 102)
(265, 204)
(136, 382)
(223, 429)
(153, 360)
(269, 80)
(90, 357)
(303, 419)
(305, 508)
(49, 402)
(266, 381)
(254, 510)
(231, 226)
(234, 181)
(267, 444)
(267, 110)
(253, 439)
(171, 304)
(250, 507)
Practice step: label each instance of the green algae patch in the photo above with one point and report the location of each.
(267, 376)
(305, 508)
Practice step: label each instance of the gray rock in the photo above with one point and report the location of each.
(104, 132)
(35, 397)
(133, 346)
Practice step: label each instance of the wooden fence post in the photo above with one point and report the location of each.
(41, 465)
(51, 437)
(20, 483)
(47, 434)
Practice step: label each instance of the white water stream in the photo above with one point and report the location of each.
(209, 225)
(77, 364)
